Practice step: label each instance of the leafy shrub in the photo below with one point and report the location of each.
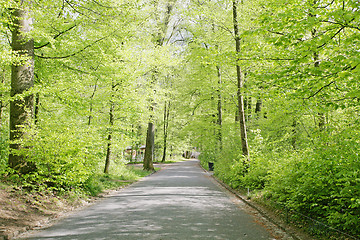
(322, 183)
(4, 153)
(63, 159)
(93, 185)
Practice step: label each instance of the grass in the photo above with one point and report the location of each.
(175, 160)
(119, 178)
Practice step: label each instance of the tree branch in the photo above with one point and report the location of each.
(96, 2)
(73, 54)
(56, 36)
(339, 31)
(76, 9)
(314, 94)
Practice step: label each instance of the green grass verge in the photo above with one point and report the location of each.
(98, 183)
(175, 160)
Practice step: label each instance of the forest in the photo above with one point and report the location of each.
(267, 90)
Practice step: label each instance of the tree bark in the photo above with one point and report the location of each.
(166, 126)
(294, 137)
(1, 96)
(150, 136)
(91, 104)
(149, 149)
(240, 83)
(219, 108)
(22, 80)
(108, 154)
(36, 108)
(109, 139)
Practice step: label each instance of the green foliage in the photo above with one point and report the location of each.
(322, 183)
(97, 183)
(300, 62)
(3, 152)
(63, 159)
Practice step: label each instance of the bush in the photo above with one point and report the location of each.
(63, 159)
(323, 183)
(4, 151)
(93, 185)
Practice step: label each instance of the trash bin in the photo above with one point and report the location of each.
(211, 166)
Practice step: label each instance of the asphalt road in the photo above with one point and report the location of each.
(179, 202)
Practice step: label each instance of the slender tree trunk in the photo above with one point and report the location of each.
(219, 108)
(166, 126)
(36, 108)
(149, 148)
(294, 138)
(240, 83)
(245, 107)
(1, 96)
(22, 80)
(150, 136)
(109, 139)
(37, 101)
(91, 104)
(108, 154)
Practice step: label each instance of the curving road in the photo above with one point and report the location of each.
(179, 202)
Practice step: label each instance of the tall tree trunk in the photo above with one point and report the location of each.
(149, 148)
(294, 137)
(22, 80)
(150, 136)
(245, 107)
(36, 108)
(108, 154)
(1, 96)
(37, 101)
(219, 108)
(91, 104)
(109, 139)
(166, 126)
(240, 83)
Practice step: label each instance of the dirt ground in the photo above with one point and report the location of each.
(21, 211)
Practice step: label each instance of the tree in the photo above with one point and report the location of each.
(160, 37)
(22, 80)
(167, 106)
(2, 105)
(111, 124)
(240, 85)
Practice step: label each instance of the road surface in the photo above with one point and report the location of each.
(179, 202)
